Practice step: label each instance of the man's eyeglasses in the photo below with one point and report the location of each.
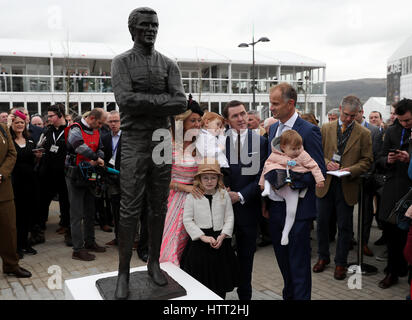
(114, 121)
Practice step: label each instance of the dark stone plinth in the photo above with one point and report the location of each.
(141, 287)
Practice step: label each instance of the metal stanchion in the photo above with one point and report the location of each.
(365, 269)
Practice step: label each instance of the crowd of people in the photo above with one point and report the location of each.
(236, 182)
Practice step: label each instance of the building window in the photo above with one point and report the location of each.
(111, 106)
(214, 107)
(4, 107)
(86, 106)
(33, 108)
(44, 107)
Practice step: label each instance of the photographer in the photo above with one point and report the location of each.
(83, 146)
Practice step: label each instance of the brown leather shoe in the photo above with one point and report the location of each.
(340, 273)
(112, 243)
(83, 255)
(94, 247)
(388, 281)
(366, 251)
(320, 265)
(61, 230)
(19, 272)
(106, 228)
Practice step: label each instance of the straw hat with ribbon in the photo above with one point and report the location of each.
(208, 165)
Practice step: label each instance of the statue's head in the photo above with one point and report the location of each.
(143, 25)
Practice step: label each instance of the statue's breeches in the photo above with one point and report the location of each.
(140, 177)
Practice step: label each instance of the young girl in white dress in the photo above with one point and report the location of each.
(209, 256)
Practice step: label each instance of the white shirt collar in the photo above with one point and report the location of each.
(85, 123)
(117, 134)
(291, 122)
(243, 134)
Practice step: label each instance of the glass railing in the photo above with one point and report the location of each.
(20, 83)
(95, 84)
(83, 84)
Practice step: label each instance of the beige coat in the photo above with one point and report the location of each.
(197, 214)
(357, 157)
(8, 233)
(8, 156)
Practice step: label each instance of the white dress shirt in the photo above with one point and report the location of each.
(243, 135)
(115, 141)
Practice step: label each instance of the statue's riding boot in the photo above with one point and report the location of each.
(155, 232)
(125, 240)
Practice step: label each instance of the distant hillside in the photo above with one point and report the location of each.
(362, 88)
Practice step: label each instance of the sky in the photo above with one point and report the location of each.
(354, 38)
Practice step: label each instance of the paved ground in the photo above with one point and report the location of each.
(267, 280)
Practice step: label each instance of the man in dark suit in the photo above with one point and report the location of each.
(112, 149)
(370, 187)
(394, 161)
(246, 154)
(294, 259)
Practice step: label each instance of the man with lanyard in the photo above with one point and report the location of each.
(347, 146)
(51, 173)
(83, 145)
(394, 161)
(369, 185)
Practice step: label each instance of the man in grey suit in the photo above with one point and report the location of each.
(369, 192)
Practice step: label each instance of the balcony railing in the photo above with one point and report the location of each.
(95, 84)
(23, 83)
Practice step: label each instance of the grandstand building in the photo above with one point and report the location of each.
(399, 74)
(36, 74)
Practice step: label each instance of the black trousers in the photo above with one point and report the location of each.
(103, 208)
(23, 221)
(52, 184)
(334, 201)
(396, 239)
(367, 215)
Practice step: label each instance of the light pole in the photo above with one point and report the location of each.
(245, 45)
